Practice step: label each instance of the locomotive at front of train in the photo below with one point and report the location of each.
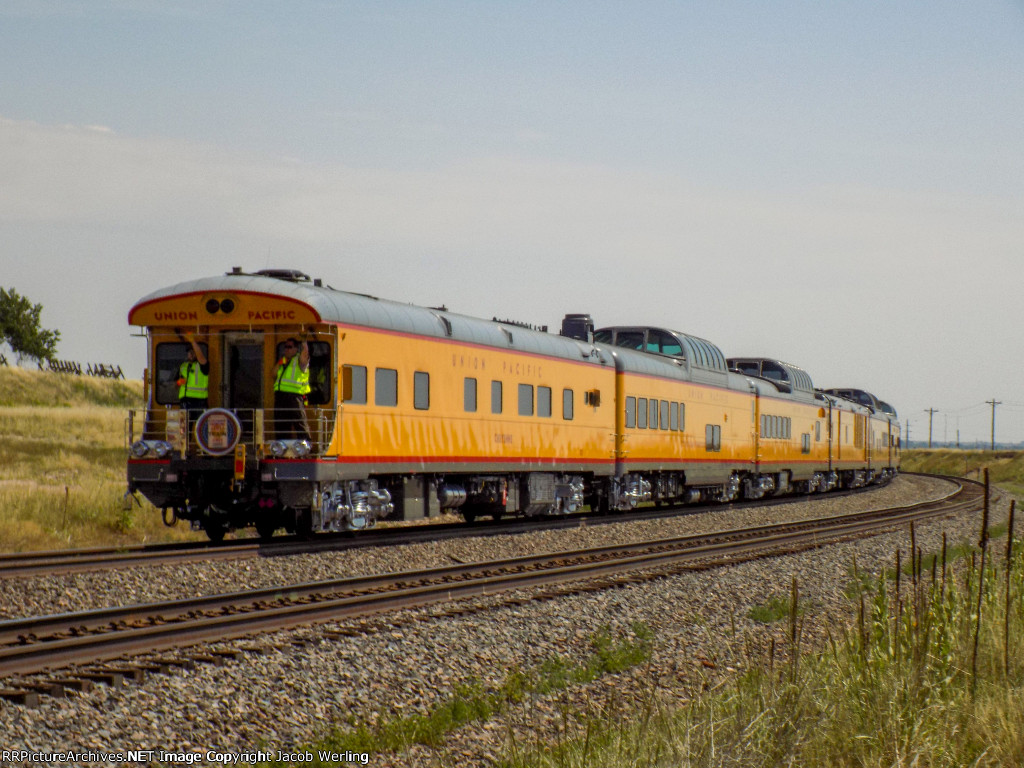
(229, 459)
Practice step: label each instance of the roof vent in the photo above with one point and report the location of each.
(578, 326)
(291, 275)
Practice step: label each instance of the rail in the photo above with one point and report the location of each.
(39, 644)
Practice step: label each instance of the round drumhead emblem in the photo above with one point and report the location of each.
(218, 431)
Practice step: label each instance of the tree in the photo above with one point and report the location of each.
(19, 327)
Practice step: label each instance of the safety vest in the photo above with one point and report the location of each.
(291, 377)
(192, 382)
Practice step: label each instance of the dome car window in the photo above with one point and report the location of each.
(630, 339)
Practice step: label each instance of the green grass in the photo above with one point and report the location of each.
(775, 609)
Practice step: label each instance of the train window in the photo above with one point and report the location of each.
(321, 365)
(748, 369)
(673, 416)
(495, 397)
(630, 412)
(421, 390)
(544, 401)
(682, 417)
(653, 413)
(469, 395)
(789, 428)
(641, 413)
(664, 414)
(663, 343)
(169, 357)
(630, 339)
(353, 384)
(817, 431)
(385, 383)
(526, 400)
(712, 437)
(670, 346)
(603, 337)
(770, 370)
(805, 442)
(567, 404)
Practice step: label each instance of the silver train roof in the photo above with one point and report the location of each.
(335, 306)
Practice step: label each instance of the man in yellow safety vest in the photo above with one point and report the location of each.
(291, 385)
(194, 379)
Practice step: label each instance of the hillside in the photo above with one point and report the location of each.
(1004, 467)
(25, 387)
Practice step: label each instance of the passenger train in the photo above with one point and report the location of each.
(416, 410)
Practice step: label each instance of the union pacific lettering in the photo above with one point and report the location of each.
(175, 316)
(272, 314)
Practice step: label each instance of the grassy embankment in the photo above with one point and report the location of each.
(62, 464)
(1005, 468)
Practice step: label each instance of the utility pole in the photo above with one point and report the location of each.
(931, 412)
(906, 437)
(993, 402)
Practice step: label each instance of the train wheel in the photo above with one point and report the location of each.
(266, 528)
(215, 532)
(304, 522)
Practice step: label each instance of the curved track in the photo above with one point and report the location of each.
(49, 563)
(40, 644)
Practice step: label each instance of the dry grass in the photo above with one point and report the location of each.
(62, 464)
(1006, 468)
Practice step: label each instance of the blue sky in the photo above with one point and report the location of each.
(839, 185)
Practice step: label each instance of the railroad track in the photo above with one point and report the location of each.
(56, 562)
(45, 644)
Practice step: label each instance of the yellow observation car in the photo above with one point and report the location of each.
(410, 410)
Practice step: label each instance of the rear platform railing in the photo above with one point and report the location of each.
(259, 428)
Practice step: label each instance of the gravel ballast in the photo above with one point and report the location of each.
(288, 695)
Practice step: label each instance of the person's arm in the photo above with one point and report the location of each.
(196, 348)
(304, 356)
